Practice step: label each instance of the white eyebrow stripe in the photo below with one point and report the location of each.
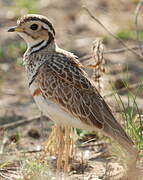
(48, 28)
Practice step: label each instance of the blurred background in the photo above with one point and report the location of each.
(75, 32)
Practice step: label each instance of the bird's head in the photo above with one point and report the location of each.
(34, 29)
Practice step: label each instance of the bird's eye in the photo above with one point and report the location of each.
(34, 27)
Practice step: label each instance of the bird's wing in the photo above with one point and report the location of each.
(68, 68)
(63, 81)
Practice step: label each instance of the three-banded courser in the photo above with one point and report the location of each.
(61, 88)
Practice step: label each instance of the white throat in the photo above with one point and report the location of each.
(33, 45)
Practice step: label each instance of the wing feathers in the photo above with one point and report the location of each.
(66, 84)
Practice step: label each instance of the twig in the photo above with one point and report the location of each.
(23, 152)
(20, 122)
(8, 93)
(137, 11)
(122, 42)
(112, 51)
(32, 151)
(124, 89)
(98, 49)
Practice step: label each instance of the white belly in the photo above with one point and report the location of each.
(55, 113)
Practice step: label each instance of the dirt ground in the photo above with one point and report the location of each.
(75, 32)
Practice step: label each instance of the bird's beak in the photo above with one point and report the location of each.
(15, 29)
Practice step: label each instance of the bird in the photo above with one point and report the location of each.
(60, 85)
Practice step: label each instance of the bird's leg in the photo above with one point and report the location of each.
(49, 145)
(68, 150)
(61, 145)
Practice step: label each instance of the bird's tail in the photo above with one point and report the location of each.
(118, 134)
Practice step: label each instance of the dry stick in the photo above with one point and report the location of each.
(12, 94)
(23, 152)
(20, 122)
(98, 49)
(122, 42)
(137, 11)
(112, 51)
